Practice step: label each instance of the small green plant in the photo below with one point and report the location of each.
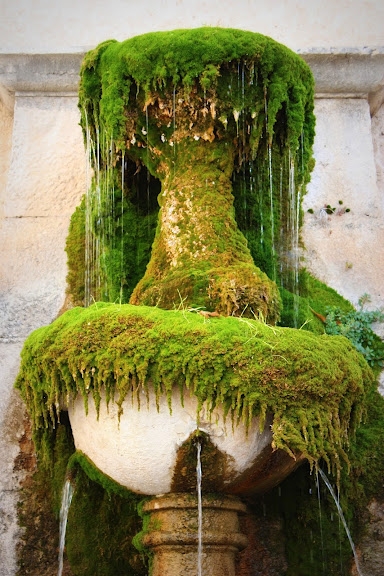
(356, 325)
(327, 209)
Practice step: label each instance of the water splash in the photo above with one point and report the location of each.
(199, 512)
(65, 504)
(341, 515)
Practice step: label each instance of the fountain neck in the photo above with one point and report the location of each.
(199, 254)
(197, 221)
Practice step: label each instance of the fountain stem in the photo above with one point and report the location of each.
(199, 253)
(173, 534)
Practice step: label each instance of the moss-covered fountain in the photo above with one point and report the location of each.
(197, 325)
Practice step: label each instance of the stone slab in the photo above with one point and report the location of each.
(344, 249)
(46, 175)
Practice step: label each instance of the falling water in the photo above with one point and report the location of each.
(271, 207)
(321, 521)
(341, 515)
(200, 512)
(88, 247)
(122, 227)
(92, 205)
(65, 504)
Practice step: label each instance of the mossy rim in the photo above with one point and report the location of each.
(313, 385)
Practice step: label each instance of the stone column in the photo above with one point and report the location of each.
(173, 534)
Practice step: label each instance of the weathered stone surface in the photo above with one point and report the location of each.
(378, 147)
(265, 553)
(344, 249)
(6, 125)
(41, 72)
(111, 441)
(33, 270)
(173, 535)
(371, 548)
(11, 428)
(47, 171)
(42, 178)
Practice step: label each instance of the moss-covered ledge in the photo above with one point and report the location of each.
(314, 385)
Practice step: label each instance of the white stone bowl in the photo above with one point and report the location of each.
(139, 450)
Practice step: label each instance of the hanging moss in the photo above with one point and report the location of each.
(206, 60)
(316, 542)
(194, 107)
(39, 505)
(313, 385)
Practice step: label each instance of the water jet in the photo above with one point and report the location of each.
(212, 118)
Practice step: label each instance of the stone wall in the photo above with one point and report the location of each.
(42, 162)
(43, 26)
(42, 180)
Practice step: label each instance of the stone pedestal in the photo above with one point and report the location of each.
(173, 534)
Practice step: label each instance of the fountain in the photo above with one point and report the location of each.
(198, 117)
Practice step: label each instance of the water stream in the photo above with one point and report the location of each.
(199, 512)
(65, 504)
(341, 515)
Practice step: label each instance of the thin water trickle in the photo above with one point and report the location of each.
(199, 512)
(293, 233)
(271, 207)
(88, 201)
(341, 515)
(122, 227)
(65, 504)
(320, 521)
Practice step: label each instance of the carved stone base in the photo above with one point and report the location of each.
(173, 534)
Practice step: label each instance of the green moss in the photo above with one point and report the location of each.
(200, 59)
(79, 459)
(321, 297)
(314, 385)
(75, 249)
(40, 501)
(316, 542)
(101, 525)
(195, 107)
(367, 456)
(110, 236)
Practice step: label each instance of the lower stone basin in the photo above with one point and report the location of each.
(144, 450)
(260, 398)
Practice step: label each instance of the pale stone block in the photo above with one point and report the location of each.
(378, 145)
(9, 533)
(6, 125)
(47, 170)
(11, 429)
(344, 249)
(32, 273)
